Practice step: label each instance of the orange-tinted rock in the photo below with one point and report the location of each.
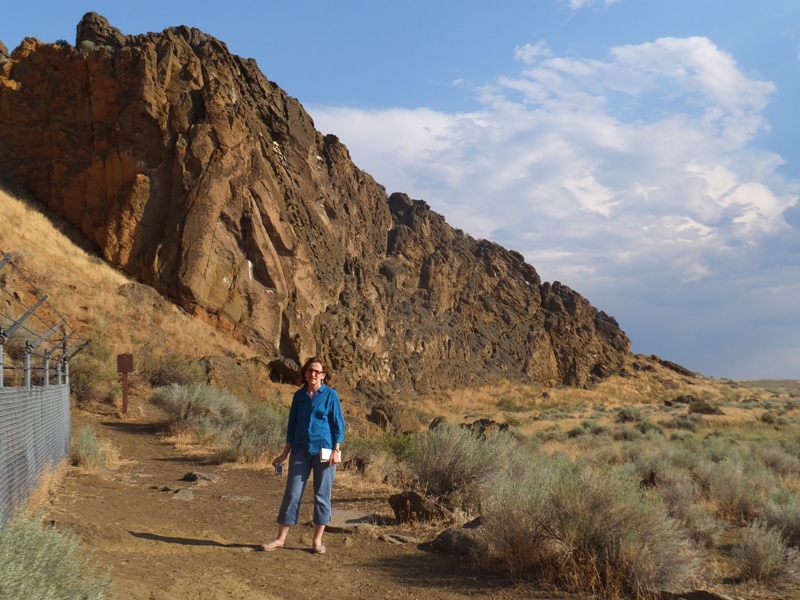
(196, 175)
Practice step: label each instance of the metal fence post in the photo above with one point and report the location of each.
(27, 366)
(46, 379)
(3, 339)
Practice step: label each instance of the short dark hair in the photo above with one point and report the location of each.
(325, 369)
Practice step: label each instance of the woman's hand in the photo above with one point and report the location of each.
(284, 455)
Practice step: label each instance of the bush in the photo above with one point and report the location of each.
(646, 426)
(628, 414)
(680, 494)
(739, 487)
(761, 555)
(42, 562)
(627, 434)
(93, 373)
(586, 529)
(685, 422)
(254, 438)
(238, 432)
(704, 408)
(768, 418)
(451, 458)
(782, 512)
(378, 459)
(161, 368)
(778, 459)
(577, 431)
(87, 450)
(199, 408)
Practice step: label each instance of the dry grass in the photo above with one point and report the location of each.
(47, 487)
(50, 257)
(532, 408)
(91, 453)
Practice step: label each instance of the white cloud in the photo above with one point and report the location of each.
(578, 4)
(601, 170)
(530, 52)
(590, 194)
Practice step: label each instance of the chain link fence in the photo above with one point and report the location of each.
(35, 428)
(36, 344)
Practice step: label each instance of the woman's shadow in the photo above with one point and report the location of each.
(188, 541)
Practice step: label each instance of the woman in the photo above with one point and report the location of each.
(315, 423)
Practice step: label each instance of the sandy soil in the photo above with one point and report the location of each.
(159, 547)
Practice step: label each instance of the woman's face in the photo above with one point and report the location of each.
(315, 375)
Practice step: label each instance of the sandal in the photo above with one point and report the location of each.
(318, 549)
(273, 545)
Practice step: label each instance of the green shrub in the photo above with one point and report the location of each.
(682, 435)
(680, 493)
(685, 422)
(761, 555)
(628, 414)
(237, 431)
(577, 431)
(200, 408)
(768, 418)
(718, 447)
(509, 405)
(782, 512)
(378, 459)
(451, 458)
(648, 427)
(778, 459)
(587, 529)
(256, 437)
(555, 414)
(739, 487)
(161, 368)
(627, 434)
(93, 373)
(44, 563)
(704, 407)
(86, 449)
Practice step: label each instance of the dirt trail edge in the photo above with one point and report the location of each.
(165, 538)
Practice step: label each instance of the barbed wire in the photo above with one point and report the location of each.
(28, 321)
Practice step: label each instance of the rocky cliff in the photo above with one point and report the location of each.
(196, 175)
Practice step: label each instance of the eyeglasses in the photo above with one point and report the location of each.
(315, 372)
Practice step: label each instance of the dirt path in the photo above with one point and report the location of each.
(160, 547)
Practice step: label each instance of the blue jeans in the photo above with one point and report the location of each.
(301, 464)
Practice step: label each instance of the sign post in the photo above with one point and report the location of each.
(124, 366)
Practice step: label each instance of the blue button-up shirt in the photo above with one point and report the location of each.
(316, 422)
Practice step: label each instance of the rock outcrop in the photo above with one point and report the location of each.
(196, 175)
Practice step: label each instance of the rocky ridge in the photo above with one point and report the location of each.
(192, 172)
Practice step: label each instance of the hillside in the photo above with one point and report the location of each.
(184, 167)
(119, 315)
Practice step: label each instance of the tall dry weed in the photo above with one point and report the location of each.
(587, 530)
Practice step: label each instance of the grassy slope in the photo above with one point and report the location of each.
(83, 288)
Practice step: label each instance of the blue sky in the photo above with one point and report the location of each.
(643, 152)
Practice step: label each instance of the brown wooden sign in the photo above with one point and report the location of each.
(124, 363)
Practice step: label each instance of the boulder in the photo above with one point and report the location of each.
(410, 507)
(394, 418)
(459, 541)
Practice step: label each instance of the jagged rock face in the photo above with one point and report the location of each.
(196, 175)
